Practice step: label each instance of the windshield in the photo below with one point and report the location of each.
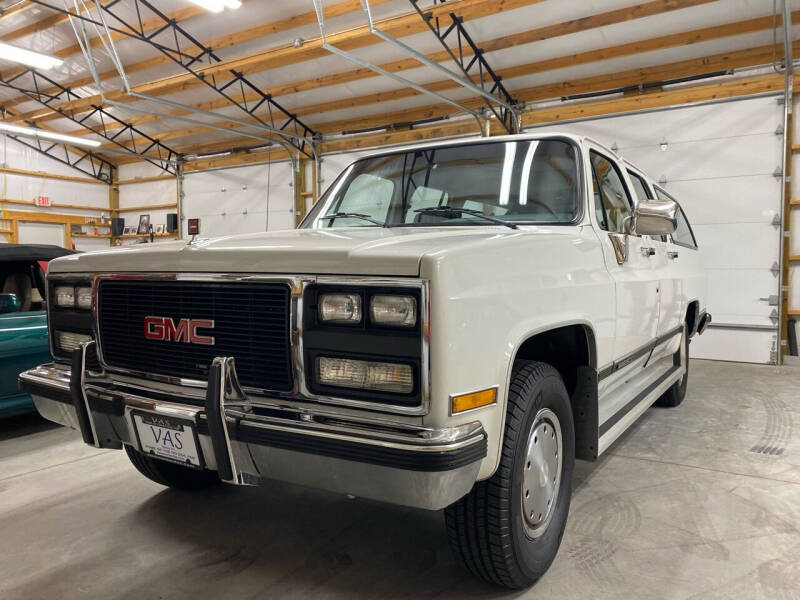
(529, 181)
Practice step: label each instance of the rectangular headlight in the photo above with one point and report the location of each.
(69, 341)
(84, 297)
(396, 311)
(340, 308)
(363, 375)
(65, 296)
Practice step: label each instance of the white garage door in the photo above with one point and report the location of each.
(719, 161)
(234, 201)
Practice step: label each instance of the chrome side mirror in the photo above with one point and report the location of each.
(655, 217)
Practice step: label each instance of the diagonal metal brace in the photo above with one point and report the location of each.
(474, 66)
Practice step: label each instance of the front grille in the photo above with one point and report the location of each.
(251, 323)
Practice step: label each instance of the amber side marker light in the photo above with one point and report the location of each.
(463, 402)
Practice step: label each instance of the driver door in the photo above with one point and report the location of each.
(629, 261)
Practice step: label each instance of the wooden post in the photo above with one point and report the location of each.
(113, 200)
(300, 192)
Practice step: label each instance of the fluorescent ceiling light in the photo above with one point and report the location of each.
(50, 135)
(28, 57)
(217, 5)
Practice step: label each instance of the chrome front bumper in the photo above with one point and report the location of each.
(247, 445)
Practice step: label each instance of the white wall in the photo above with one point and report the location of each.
(23, 187)
(143, 194)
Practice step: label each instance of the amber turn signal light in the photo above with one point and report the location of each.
(464, 402)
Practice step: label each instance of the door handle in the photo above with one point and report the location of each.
(672, 254)
(648, 251)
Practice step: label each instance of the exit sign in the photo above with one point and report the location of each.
(42, 200)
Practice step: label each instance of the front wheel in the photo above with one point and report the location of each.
(171, 474)
(507, 530)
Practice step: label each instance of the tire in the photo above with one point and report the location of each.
(171, 474)
(487, 528)
(677, 392)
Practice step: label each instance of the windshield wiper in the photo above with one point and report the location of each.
(451, 212)
(350, 215)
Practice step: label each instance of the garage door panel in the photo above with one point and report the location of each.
(233, 201)
(742, 199)
(695, 123)
(734, 345)
(730, 301)
(709, 159)
(737, 245)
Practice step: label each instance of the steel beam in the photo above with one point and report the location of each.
(473, 64)
(84, 161)
(98, 120)
(185, 50)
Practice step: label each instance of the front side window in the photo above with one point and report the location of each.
(613, 205)
(531, 181)
(683, 234)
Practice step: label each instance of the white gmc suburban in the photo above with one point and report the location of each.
(450, 327)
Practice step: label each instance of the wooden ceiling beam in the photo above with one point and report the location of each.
(15, 9)
(652, 8)
(284, 55)
(701, 93)
(148, 26)
(647, 75)
(225, 41)
(694, 66)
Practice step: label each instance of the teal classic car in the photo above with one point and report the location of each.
(23, 319)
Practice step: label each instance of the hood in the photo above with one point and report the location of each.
(343, 251)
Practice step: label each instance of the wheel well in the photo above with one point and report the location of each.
(692, 313)
(571, 351)
(565, 348)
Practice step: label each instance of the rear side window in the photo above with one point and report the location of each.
(639, 187)
(642, 191)
(683, 234)
(612, 202)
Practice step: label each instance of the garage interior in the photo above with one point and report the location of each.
(242, 118)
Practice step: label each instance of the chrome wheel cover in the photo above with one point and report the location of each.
(541, 472)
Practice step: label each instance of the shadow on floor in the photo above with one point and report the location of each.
(282, 541)
(22, 425)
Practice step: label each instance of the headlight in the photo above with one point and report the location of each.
(69, 341)
(65, 296)
(397, 311)
(363, 375)
(340, 308)
(84, 296)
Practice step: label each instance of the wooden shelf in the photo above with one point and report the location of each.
(149, 207)
(92, 235)
(794, 259)
(794, 202)
(130, 236)
(793, 312)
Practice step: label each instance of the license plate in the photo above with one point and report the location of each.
(168, 438)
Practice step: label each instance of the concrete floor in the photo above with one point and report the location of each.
(702, 501)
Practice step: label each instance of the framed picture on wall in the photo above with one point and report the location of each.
(144, 224)
(159, 229)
